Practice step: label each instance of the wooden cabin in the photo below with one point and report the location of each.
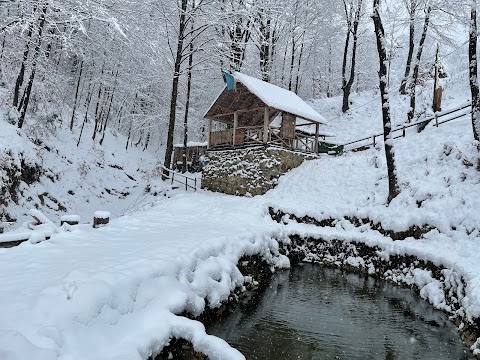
(195, 150)
(252, 112)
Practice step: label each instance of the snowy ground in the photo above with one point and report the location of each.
(112, 293)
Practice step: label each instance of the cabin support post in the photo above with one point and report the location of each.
(266, 120)
(235, 125)
(317, 127)
(209, 133)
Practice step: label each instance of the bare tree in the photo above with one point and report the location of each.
(393, 188)
(414, 80)
(412, 6)
(353, 21)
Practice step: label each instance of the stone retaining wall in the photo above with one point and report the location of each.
(251, 171)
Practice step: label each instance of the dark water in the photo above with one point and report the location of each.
(312, 312)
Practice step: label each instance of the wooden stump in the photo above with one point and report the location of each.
(70, 220)
(101, 218)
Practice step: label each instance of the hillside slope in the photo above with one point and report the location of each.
(41, 166)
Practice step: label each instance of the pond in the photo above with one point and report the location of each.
(311, 312)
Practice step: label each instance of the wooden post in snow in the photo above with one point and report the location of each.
(317, 127)
(266, 120)
(70, 219)
(100, 218)
(235, 125)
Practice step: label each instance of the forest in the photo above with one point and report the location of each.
(149, 69)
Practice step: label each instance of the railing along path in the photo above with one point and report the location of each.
(458, 113)
(176, 176)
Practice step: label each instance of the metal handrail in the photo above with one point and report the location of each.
(187, 185)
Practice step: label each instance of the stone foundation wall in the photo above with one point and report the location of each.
(251, 171)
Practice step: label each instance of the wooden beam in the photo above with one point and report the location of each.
(266, 122)
(317, 126)
(233, 112)
(209, 132)
(235, 125)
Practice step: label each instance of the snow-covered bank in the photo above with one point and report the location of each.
(112, 293)
(439, 176)
(42, 166)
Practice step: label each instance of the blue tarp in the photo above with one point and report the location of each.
(230, 80)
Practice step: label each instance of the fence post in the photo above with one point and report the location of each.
(436, 120)
(195, 184)
(173, 176)
(403, 132)
(186, 184)
(374, 140)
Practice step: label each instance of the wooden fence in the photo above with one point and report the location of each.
(399, 132)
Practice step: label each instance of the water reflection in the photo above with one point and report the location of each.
(312, 312)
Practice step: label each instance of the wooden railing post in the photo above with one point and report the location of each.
(266, 120)
(173, 176)
(317, 127)
(235, 125)
(374, 140)
(436, 120)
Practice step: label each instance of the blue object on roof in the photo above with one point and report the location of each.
(230, 80)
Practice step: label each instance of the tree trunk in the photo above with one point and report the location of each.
(147, 141)
(347, 84)
(174, 94)
(21, 75)
(85, 118)
(129, 135)
(411, 46)
(299, 64)
(187, 107)
(28, 91)
(292, 63)
(329, 79)
(107, 116)
(393, 189)
(76, 96)
(473, 71)
(413, 81)
(265, 38)
(4, 37)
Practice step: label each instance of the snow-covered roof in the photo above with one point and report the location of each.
(279, 98)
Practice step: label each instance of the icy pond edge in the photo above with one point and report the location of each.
(444, 288)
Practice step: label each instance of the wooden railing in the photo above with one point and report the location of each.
(253, 135)
(400, 132)
(181, 179)
(304, 142)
